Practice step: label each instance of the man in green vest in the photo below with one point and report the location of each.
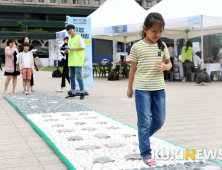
(76, 57)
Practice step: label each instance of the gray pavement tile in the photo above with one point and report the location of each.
(59, 166)
(27, 168)
(16, 154)
(48, 159)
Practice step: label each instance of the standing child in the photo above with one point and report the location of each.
(26, 66)
(146, 72)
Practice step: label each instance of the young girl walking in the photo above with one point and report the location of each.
(146, 72)
(26, 65)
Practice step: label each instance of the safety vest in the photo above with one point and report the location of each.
(186, 55)
(75, 57)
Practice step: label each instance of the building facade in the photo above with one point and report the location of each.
(43, 18)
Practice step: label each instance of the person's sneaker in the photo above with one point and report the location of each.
(28, 92)
(183, 80)
(72, 95)
(149, 161)
(24, 92)
(59, 90)
(81, 96)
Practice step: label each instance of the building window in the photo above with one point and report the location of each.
(4, 0)
(140, 3)
(17, 0)
(86, 2)
(64, 1)
(29, 0)
(97, 2)
(75, 1)
(41, 1)
(148, 4)
(52, 1)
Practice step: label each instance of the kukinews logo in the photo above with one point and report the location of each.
(182, 154)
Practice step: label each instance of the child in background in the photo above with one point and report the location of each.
(26, 65)
(146, 72)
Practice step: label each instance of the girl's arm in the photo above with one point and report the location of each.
(164, 66)
(131, 79)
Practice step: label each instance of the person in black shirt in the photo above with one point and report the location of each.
(26, 39)
(65, 72)
(1, 64)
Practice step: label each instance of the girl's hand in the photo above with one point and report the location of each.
(32, 71)
(21, 71)
(130, 93)
(161, 67)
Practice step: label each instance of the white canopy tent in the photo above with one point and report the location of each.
(184, 19)
(110, 14)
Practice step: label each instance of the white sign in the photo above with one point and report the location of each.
(196, 46)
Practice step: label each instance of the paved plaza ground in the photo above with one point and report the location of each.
(193, 121)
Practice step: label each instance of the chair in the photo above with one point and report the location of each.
(95, 70)
(117, 69)
(178, 70)
(125, 70)
(109, 67)
(101, 69)
(217, 74)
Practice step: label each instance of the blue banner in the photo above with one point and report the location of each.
(60, 35)
(83, 28)
(121, 29)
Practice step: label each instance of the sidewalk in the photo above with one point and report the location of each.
(193, 118)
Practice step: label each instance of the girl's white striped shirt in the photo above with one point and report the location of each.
(147, 77)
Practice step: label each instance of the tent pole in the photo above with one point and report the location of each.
(202, 49)
(125, 49)
(186, 36)
(114, 49)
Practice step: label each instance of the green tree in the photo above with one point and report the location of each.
(21, 26)
(3, 29)
(216, 44)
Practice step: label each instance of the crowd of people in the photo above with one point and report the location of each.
(21, 61)
(188, 54)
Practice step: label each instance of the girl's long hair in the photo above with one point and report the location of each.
(152, 19)
(188, 44)
(22, 43)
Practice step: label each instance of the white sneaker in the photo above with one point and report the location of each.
(7, 92)
(183, 80)
(28, 92)
(59, 90)
(15, 92)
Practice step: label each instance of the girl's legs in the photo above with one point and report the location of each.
(158, 109)
(14, 82)
(8, 78)
(151, 113)
(24, 84)
(143, 107)
(28, 85)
